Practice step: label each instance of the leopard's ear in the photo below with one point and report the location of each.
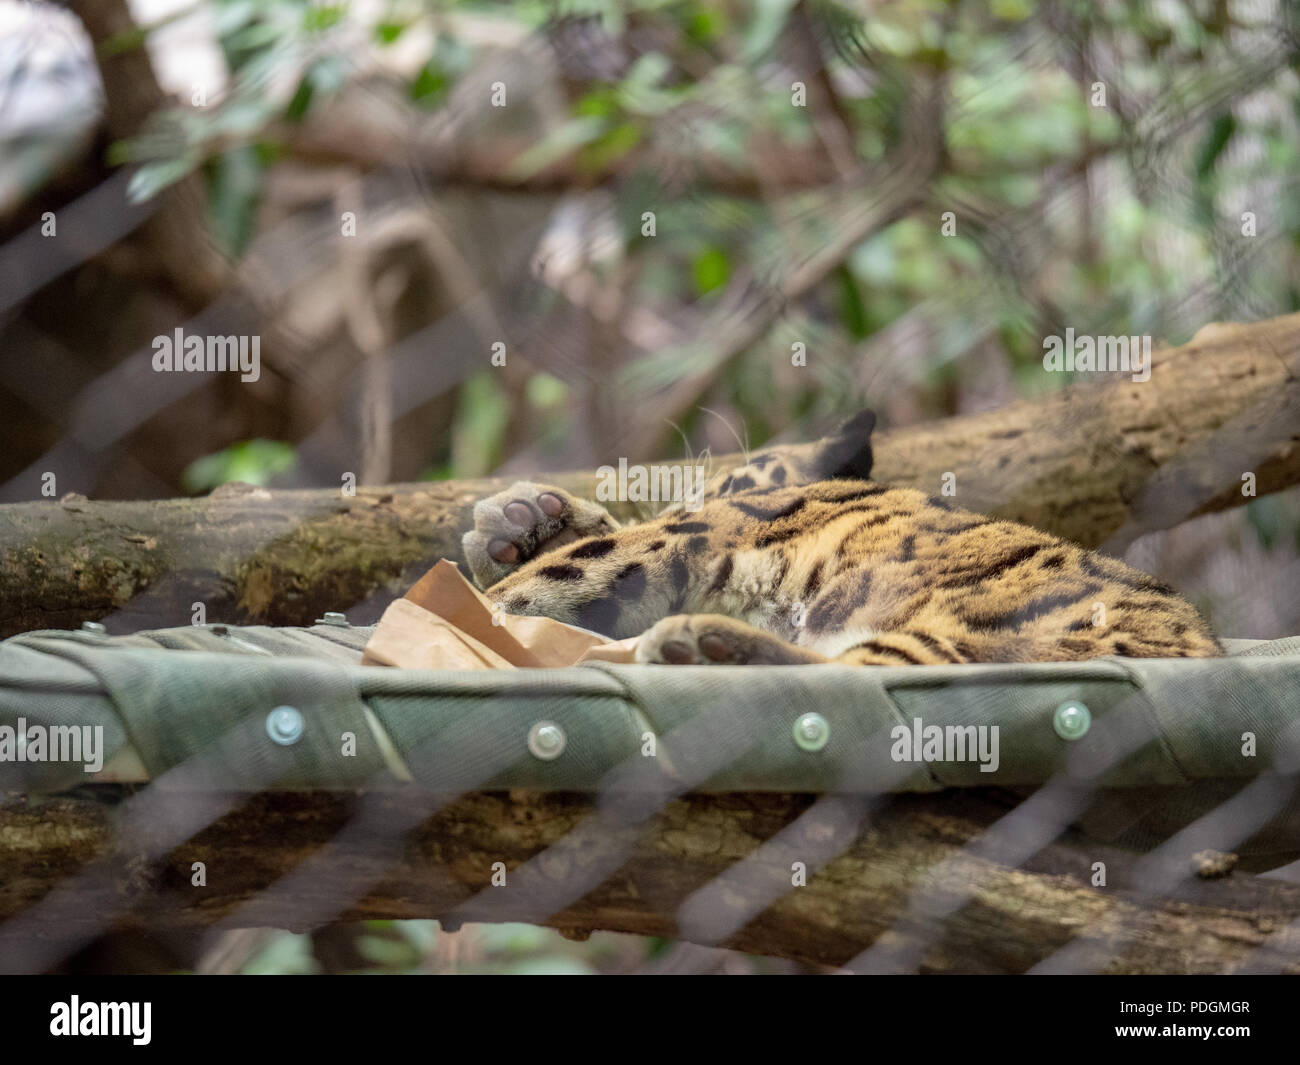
(846, 453)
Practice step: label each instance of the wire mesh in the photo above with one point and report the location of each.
(773, 290)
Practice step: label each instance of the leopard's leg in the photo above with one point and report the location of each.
(524, 521)
(714, 639)
(902, 649)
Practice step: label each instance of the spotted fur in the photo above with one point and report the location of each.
(798, 558)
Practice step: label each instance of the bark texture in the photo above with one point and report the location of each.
(297, 860)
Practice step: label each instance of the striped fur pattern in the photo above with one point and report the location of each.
(797, 558)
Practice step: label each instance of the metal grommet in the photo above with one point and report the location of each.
(284, 725)
(95, 627)
(1072, 720)
(546, 740)
(812, 732)
(333, 617)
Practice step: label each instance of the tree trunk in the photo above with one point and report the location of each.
(1099, 463)
(692, 871)
(177, 234)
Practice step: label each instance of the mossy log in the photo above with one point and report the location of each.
(713, 869)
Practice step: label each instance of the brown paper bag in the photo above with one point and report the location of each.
(444, 622)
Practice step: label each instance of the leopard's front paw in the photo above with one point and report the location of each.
(522, 522)
(714, 639)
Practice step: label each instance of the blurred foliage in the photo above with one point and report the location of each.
(1110, 219)
(508, 949)
(249, 461)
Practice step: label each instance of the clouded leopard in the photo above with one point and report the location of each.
(798, 558)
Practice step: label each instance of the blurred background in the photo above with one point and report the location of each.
(644, 206)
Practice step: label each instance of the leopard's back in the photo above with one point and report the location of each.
(861, 571)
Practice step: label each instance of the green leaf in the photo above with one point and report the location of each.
(513, 937)
(665, 367)
(705, 25)
(250, 461)
(252, 39)
(301, 100)
(639, 92)
(233, 15)
(1011, 10)
(284, 954)
(388, 952)
(769, 20)
(1266, 517)
(321, 17)
(598, 103)
(152, 178)
(610, 147)
(430, 84)
(1221, 131)
(545, 390)
(235, 191)
(479, 429)
(328, 74)
(241, 117)
(710, 270)
(388, 32)
(568, 138)
(852, 311)
(450, 59)
(548, 965)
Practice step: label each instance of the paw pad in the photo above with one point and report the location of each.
(503, 551)
(519, 513)
(716, 648)
(676, 653)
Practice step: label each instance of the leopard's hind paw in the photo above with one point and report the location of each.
(714, 639)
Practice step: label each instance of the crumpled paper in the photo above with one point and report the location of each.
(444, 622)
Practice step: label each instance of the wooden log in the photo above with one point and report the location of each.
(73, 866)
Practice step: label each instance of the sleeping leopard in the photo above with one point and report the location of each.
(799, 558)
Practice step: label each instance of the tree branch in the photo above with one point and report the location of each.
(256, 856)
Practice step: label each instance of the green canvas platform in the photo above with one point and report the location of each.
(189, 707)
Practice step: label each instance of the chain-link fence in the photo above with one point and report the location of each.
(645, 214)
